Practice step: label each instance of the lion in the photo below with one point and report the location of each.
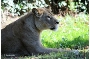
(22, 37)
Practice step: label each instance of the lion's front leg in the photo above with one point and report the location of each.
(43, 50)
(35, 48)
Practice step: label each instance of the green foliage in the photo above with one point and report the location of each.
(20, 7)
(73, 31)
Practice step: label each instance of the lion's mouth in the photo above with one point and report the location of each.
(52, 28)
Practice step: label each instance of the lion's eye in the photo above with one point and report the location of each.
(48, 17)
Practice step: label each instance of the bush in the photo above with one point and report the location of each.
(21, 7)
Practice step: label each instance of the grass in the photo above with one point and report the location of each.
(84, 54)
(73, 31)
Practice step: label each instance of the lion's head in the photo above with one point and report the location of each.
(44, 19)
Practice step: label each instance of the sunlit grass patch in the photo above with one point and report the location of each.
(73, 31)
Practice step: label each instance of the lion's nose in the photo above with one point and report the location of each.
(57, 22)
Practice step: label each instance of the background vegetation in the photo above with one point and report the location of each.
(73, 32)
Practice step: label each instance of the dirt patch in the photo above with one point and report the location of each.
(7, 18)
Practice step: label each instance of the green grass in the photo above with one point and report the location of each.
(84, 54)
(73, 31)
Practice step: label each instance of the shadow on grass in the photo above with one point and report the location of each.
(83, 54)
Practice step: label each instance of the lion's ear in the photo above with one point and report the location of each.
(37, 12)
